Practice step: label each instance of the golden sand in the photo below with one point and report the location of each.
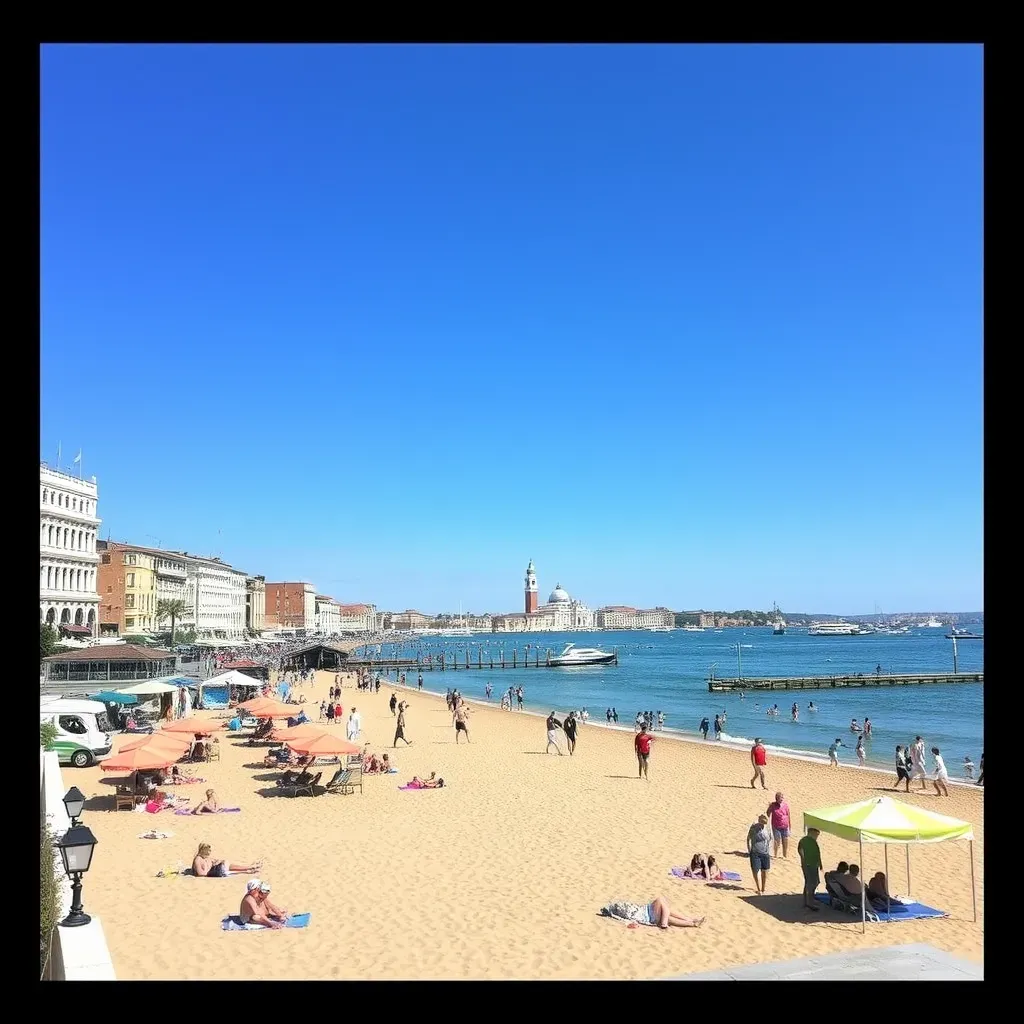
(501, 874)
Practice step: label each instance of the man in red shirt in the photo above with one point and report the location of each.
(643, 750)
(758, 758)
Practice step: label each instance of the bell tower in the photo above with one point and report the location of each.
(531, 588)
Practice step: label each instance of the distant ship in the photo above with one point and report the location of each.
(659, 629)
(964, 634)
(932, 623)
(693, 629)
(837, 629)
(779, 626)
(573, 655)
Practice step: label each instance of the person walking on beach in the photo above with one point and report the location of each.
(981, 770)
(860, 749)
(353, 726)
(917, 770)
(400, 726)
(569, 728)
(488, 690)
(867, 727)
(902, 768)
(638, 722)
(419, 680)
(718, 727)
(519, 697)
(759, 844)
(393, 703)
(642, 744)
(553, 725)
(778, 813)
(461, 720)
(615, 716)
(810, 863)
(833, 752)
(330, 713)
(704, 726)
(758, 758)
(376, 684)
(941, 780)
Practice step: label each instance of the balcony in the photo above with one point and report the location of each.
(171, 573)
(52, 551)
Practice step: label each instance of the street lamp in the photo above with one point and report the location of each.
(74, 802)
(76, 846)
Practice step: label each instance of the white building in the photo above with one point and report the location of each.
(214, 597)
(623, 617)
(357, 618)
(328, 615)
(68, 560)
(561, 613)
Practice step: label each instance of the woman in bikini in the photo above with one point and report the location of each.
(204, 865)
(209, 805)
(658, 914)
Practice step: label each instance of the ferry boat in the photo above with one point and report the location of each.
(693, 629)
(573, 655)
(836, 629)
(779, 625)
(932, 623)
(659, 629)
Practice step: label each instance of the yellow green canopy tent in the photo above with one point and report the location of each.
(884, 820)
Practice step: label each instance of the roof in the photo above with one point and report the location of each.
(355, 608)
(244, 663)
(884, 820)
(77, 629)
(120, 652)
(617, 608)
(345, 647)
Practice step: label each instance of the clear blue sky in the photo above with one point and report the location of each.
(692, 326)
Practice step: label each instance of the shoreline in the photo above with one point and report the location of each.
(679, 736)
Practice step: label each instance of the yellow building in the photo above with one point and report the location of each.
(127, 584)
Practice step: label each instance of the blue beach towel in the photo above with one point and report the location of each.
(896, 912)
(233, 923)
(727, 876)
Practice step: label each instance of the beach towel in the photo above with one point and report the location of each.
(220, 810)
(154, 834)
(896, 912)
(234, 924)
(723, 876)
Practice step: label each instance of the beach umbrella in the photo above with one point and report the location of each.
(298, 732)
(272, 709)
(255, 703)
(324, 745)
(148, 757)
(191, 726)
(163, 741)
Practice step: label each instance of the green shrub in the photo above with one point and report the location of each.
(47, 734)
(49, 896)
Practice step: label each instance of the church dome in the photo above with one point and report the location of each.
(558, 596)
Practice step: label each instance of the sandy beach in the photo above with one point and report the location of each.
(501, 874)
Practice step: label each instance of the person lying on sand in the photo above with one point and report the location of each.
(657, 914)
(256, 907)
(432, 783)
(205, 866)
(209, 805)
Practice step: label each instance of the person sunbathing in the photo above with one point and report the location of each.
(431, 783)
(205, 866)
(714, 871)
(658, 913)
(256, 907)
(698, 867)
(209, 805)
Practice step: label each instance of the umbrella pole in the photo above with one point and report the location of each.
(908, 869)
(887, 906)
(863, 893)
(974, 898)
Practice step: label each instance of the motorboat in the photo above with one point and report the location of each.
(659, 629)
(573, 655)
(779, 624)
(932, 623)
(964, 634)
(693, 629)
(837, 629)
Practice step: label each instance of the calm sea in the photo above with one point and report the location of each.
(668, 672)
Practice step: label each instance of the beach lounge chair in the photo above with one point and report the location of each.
(308, 786)
(345, 781)
(840, 899)
(213, 751)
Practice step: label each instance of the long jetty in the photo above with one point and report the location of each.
(841, 682)
(453, 663)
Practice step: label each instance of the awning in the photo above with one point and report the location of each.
(149, 688)
(82, 630)
(884, 820)
(108, 697)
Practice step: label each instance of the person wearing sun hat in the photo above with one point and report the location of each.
(256, 906)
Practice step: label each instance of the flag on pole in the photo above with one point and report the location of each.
(58, 454)
(78, 457)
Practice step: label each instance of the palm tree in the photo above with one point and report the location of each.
(170, 608)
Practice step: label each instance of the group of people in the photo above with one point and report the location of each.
(910, 764)
(569, 726)
(513, 693)
(650, 720)
(720, 720)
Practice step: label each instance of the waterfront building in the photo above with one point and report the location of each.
(562, 612)
(291, 606)
(255, 603)
(128, 588)
(68, 560)
(214, 597)
(623, 617)
(119, 663)
(328, 615)
(409, 619)
(357, 618)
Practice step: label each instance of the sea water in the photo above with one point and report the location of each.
(668, 672)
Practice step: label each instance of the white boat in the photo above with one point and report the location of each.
(932, 623)
(660, 629)
(836, 629)
(693, 629)
(779, 625)
(573, 655)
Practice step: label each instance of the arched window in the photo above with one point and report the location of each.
(49, 577)
(60, 499)
(46, 495)
(92, 617)
(73, 538)
(65, 617)
(80, 617)
(51, 616)
(74, 504)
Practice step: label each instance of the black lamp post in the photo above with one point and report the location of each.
(74, 802)
(76, 846)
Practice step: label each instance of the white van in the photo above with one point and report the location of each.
(83, 729)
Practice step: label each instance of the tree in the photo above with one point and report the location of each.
(47, 640)
(170, 608)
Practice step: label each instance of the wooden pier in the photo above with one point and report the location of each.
(454, 663)
(840, 682)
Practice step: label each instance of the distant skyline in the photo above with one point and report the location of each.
(697, 326)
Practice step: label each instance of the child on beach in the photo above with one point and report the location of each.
(833, 752)
(968, 767)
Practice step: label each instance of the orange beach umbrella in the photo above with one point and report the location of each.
(145, 758)
(324, 745)
(305, 731)
(254, 702)
(191, 726)
(272, 709)
(164, 741)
